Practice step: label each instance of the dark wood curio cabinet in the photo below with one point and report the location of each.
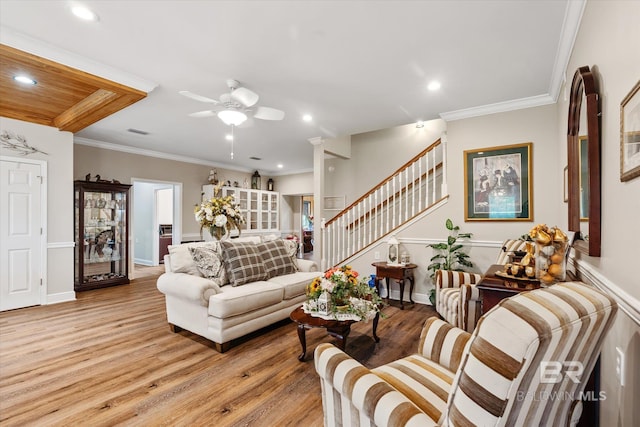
(101, 234)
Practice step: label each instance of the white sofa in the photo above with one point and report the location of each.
(223, 312)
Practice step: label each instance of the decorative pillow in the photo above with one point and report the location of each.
(292, 249)
(276, 258)
(181, 260)
(208, 259)
(243, 263)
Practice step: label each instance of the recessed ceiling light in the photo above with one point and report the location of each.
(434, 85)
(228, 137)
(307, 118)
(24, 79)
(280, 165)
(84, 13)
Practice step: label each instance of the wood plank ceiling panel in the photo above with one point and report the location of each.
(63, 97)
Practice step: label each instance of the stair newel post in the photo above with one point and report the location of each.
(325, 246)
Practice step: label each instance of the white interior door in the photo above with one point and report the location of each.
(20, 234)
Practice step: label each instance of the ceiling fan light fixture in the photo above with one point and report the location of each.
(232, 117)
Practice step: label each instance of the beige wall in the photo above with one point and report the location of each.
(609, 42)
(59, 227)
(110, 164)
(376, 155)
(536, 125)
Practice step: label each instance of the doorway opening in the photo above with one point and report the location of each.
(156, 220)
(307, 228)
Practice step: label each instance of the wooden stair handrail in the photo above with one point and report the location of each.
(384, 181)
(395, 195)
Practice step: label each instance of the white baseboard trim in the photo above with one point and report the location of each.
(417, 298)
(143, 262)
(428, 241)
(60, 297)
(628, 304)
(59, 245)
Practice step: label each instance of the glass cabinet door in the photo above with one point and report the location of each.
(260, 208)
(101, 230)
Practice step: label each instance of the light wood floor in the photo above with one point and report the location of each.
(109, 359)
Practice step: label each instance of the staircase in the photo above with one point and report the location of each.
(411, 191)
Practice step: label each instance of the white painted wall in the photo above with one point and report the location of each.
(143, 208)
(609, 42)
(165, 206)
(60, 214)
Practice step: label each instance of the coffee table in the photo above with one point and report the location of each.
(338, 329)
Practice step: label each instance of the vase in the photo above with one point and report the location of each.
(550, 262)
(219, 233)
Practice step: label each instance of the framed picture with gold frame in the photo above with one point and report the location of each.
(499, 183)
(630, 135)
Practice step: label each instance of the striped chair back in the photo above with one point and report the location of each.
(508, 246)
(514, 369)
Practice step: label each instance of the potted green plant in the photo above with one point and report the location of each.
(449, 255)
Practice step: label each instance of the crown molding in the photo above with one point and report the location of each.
(40, 48)
(174, 157)
(498, 107)
(570, 27)
(153, 153)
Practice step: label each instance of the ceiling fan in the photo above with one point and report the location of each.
(232, 107)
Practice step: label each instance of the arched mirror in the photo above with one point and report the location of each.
(583, 154)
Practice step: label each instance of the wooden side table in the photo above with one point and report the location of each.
(494, 289)
(400, 273)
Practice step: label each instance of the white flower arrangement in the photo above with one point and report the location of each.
(219, 214)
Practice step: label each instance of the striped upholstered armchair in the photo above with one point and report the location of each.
(503, 374)
(457, 299)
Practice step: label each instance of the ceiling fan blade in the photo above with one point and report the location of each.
(245, 96)
(268, 113)
(205, 113)
(197, 97)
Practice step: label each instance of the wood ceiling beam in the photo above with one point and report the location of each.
(65, 97)
(87, 107)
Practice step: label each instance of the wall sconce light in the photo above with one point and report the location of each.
(419, 124)
(393, 245)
